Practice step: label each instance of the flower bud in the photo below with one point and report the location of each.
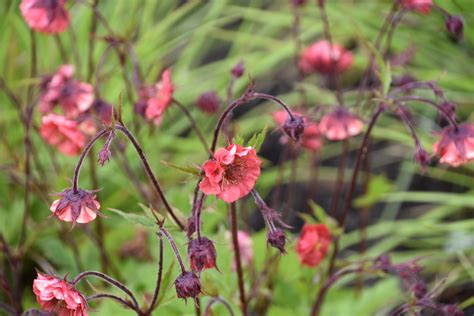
(455, 26)
(419, 290)
(422, 158)
(238, 70)
(277, 239)
(202, 254)
(294, 127)
(208, 102)
(187, 285)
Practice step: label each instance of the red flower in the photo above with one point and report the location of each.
(158, 98)
(58, 296)
(456, 147)
(422, 6)
(232, 173)
(313, 244)
(310, 139)
(340, 124)
(46, 16)
(73, 96)
(319, 57)
(62, 133)
(77, 207)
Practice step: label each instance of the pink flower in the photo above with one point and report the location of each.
(456, 147)
(76, 207)
(313, 244)
(73, 96)
(58, 131)
(159, 97)
(59, 296)
(422, 6)
(319, 57)
(310, 139)
(232, 173)
(340, 124)
(46, 16)
(245, 247)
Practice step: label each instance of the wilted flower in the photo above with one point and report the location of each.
(456, 146)
(73, 96)
(313, 244)
(238, 70)
(276, 238)
(340, 124)
(157, 98)
(422, 6)
(187, 285)
(62, 133)
(232, 173)
(320, 57)
(59, 296)
(208, 102)
(455, 26)
(202, 254)
(77, 207)
(310, 137)
(46, 16)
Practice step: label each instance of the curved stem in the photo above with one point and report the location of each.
(238, 263)
(207, 311)
(194, 125)
(451, 120)
(175, 249)
(111, 296)
(158, 280)
(410, 127)
(149, 172)
(109, 280)
(84, 153)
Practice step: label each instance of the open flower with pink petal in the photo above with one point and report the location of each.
(456, 145)
(232, 173)
(76, 206)
(325, 58)
(62, 89)
(45, 16)
(63, 133)
(340, 124)
(59, 296)
(422, 6)
(158, 98)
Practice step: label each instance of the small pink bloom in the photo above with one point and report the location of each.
(73, 96)
(62, 133)
(456, 147)
(313, 244)
(46, 16)
(76, 207)
(422, 6)
(159, 97)
(310, 139)
(59, 296)
(319, 57)
(232, 173)
(208, 102)
(340, 124)
(245, 247)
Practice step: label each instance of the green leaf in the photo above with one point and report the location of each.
(257, 139)
(189, 169)
(378, 187)
(135, 218)
(239, 140)
(322, 216)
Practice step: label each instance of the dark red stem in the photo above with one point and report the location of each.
(238, 263)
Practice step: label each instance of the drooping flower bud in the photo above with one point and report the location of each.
(208, 102)
(422, 158)
(238, 70)
(276, 238)
(187, 285)
(202, 254)
(76, 206)
(294, 127)
(455, 26)
(105, 153)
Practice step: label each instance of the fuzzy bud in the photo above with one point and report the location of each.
(187, 285)
(455, 26)
(208, 102)
(202, 254)
(294, 127)
(277, 239)
(238, 70)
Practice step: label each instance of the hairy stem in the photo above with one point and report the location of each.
(238, 263)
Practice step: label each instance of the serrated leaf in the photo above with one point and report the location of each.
(239, 140)
(135, 218)
(189, 169)
(257, 139)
